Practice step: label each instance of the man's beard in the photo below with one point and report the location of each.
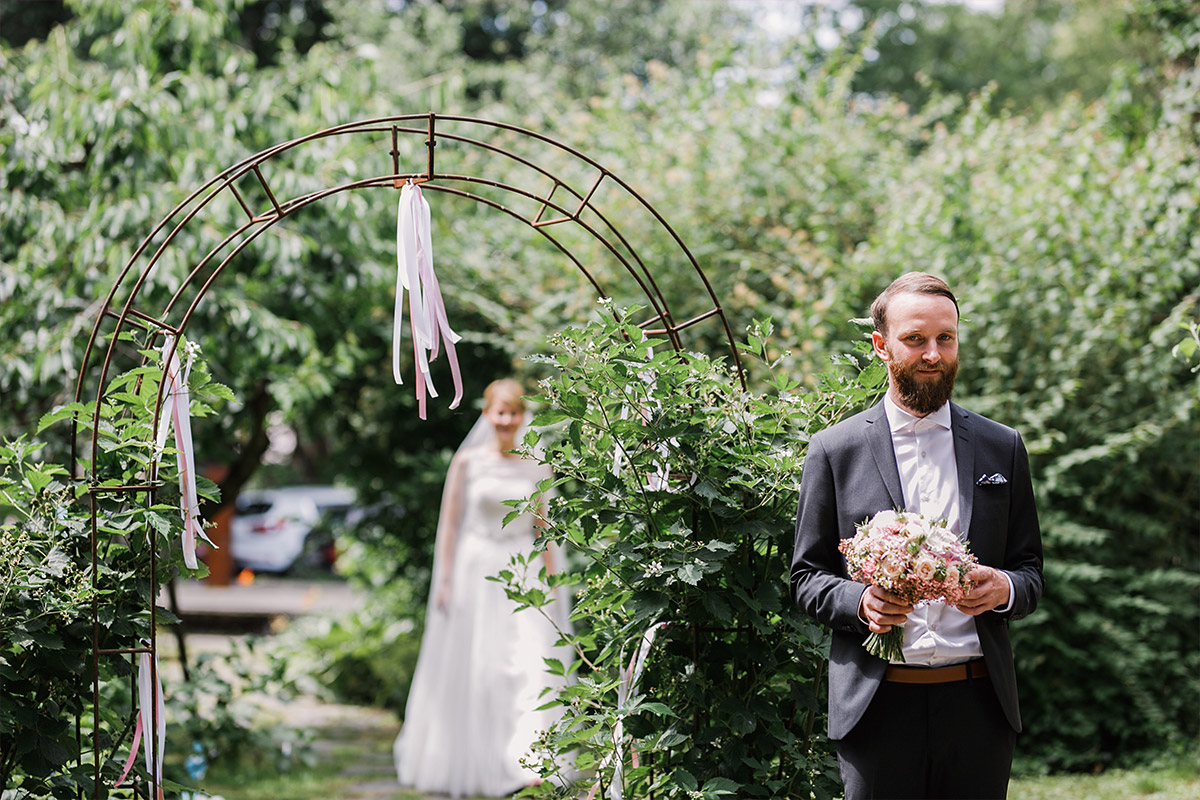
(923, 396)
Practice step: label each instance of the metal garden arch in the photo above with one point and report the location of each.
(554, 190)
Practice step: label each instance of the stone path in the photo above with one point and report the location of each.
(355, 740)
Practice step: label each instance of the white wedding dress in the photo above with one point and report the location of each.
(480, 672)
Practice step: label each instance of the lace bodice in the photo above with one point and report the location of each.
(490, 480)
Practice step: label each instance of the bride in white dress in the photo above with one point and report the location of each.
(480, 673)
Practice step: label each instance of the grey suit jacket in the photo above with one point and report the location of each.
(850, 474)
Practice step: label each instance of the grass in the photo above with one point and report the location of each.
(352, 761)
(350, 758)
(306, 784)
(1179, 780)
(328, 780)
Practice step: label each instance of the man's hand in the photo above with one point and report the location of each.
(882, 609)
(990, 590)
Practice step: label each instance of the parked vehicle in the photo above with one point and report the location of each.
(272, 529)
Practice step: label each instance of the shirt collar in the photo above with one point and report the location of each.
(900, 420)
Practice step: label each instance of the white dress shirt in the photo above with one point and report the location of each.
(935, 635)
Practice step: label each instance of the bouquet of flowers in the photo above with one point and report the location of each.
(910, 556)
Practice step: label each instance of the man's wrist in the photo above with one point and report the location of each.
(1004, 609)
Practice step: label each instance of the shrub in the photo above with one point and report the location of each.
(679, 503)
(52, 587)
(1075, 257)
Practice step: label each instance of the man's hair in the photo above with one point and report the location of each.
(908, 283)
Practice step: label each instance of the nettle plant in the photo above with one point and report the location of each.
(49, 589)
(675, 500)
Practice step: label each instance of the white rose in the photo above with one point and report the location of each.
(940, 540)
(884, 521)
(925, 568)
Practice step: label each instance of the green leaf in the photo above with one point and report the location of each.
(720, 786)
(717, 606)
(49, 640)
(689, 574)
(58, 414)
(38, 480)
(159, 522)
(53, 750)
(658, 709)
(685, 780)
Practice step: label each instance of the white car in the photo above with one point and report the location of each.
(270, 526)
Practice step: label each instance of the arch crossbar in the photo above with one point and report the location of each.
(556, 191)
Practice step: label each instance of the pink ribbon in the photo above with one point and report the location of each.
(426, 309)
(177, 416)
(152, 715)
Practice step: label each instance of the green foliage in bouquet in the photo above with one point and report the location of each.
(676, 501)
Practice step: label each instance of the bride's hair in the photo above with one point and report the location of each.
(505, 389)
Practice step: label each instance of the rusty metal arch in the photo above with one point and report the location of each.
(567, 197)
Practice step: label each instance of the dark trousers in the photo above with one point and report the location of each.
(918, 742)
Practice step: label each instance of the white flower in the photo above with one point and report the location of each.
(940, 540)
(925, 568)
(884, 521)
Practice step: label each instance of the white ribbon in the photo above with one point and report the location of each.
(658, 479)
(426, 309)
(177, 416)
(152, 716)
(630, 678)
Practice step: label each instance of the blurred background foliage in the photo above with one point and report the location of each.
(1040, 155)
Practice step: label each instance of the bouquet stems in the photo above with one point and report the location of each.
(888, 646)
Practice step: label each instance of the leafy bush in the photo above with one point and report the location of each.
(51, 585)
(45, 630)
(680, 508)
(218, 714)
(1076, 260)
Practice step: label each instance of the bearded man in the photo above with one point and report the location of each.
(941, 723)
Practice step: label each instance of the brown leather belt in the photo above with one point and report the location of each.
(926, 675)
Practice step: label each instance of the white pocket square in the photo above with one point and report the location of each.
(995, 479)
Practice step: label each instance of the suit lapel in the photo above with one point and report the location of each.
(964, 457)
(879, 437)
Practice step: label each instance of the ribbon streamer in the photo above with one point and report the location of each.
(177, 416)
(658, 478)
(426, 309)
(152, 716)
(630, 678)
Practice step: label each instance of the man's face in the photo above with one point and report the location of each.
(921, 351)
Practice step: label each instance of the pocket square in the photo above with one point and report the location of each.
(995, 479)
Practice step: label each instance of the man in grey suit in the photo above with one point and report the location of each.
(943, 723)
